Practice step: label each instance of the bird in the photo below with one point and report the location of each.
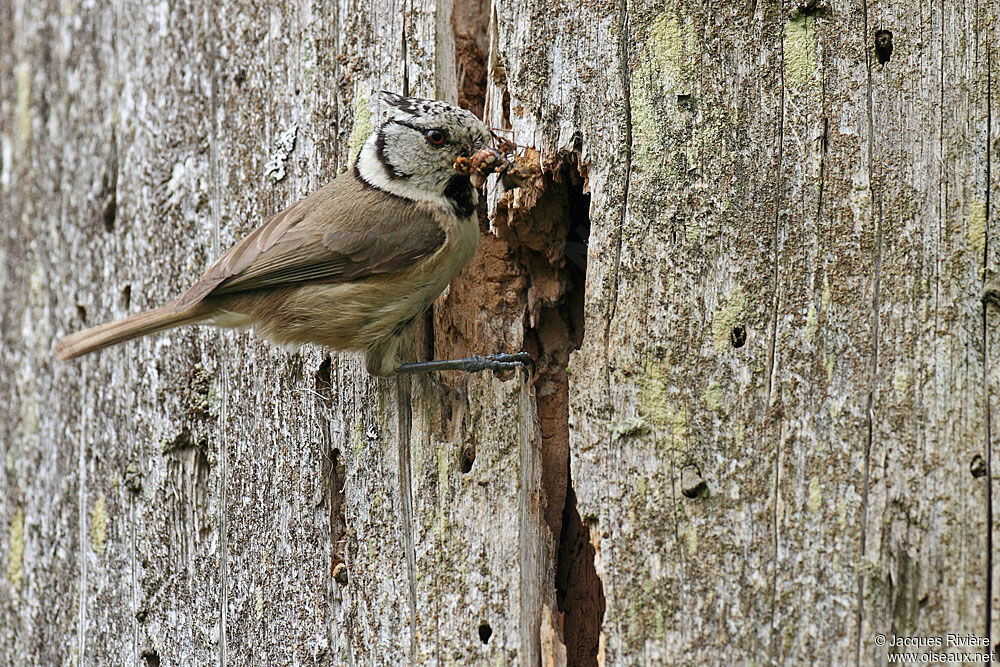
(354, 264)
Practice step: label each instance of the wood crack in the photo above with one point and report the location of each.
(987, 454)
(623, 37)
(406, 59)
(771, 360)
(81, 630)
(872, 376)
(772, 354)
(405, 424)
(133, 578)
(223, 420)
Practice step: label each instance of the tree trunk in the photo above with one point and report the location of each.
(750, 266)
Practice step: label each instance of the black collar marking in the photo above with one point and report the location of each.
(461, 195)
(458, 192)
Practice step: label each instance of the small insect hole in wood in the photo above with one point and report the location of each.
(738, 336)
(991, 294)
(883, 45)
(126, 296)
(485, 632)
(109, 212)
(685, 102)
(468, 458)
(133, 477)
(692, 483)
(109, 188)
(151, 658)
(323, 377)
(81, 312)
(978, 466)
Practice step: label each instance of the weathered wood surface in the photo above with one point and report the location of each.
(788, 242)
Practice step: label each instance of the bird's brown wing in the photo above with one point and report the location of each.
(344, 231)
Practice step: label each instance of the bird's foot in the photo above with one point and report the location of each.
(494, 362)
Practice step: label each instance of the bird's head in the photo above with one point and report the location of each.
(412, 153)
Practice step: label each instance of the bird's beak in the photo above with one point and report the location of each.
(475, 147)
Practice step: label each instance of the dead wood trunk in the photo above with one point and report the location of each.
(764, 416)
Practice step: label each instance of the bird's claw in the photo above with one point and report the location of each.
(499, 362)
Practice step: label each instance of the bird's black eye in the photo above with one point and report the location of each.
(435, 137)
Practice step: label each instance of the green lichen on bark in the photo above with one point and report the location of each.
(799, 47)
(690, 536)
(653, 395)
(829, 364)
(900, 383)
(22, 110)
(259, 604)
(15, 550)
(357, 438)
(812, 322)
(443, 469)
(656, 406)
(976, 232)
(713, 396)
(661, 70)
(633, 426)
(726, 317)
(361, 128)
(815, 502)
(99, 526)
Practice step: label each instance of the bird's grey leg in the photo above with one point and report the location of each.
(493, 362)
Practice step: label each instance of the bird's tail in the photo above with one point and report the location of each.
(133, 326)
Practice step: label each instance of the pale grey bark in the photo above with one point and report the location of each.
(756, 177)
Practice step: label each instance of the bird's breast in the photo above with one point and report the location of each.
(461, 239)
(404, 296)
(432, 274)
